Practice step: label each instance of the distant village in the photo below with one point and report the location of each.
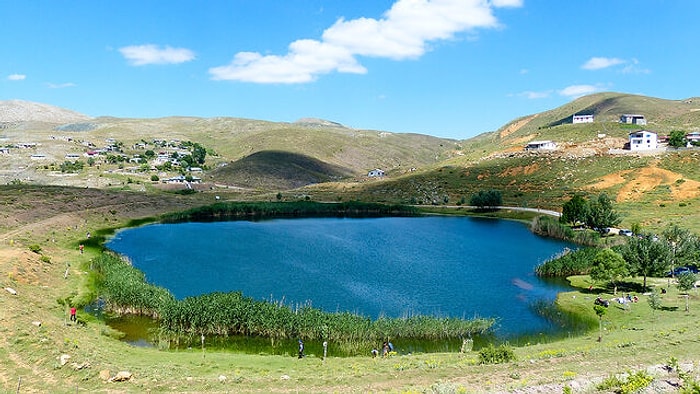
(159, 156)
(638, 141)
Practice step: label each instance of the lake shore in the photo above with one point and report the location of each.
(58, 219)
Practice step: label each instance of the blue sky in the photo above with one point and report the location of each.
(449, 68)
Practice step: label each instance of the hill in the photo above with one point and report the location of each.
(12, 111)
(650, 188)
(270, 170)
(341, 151)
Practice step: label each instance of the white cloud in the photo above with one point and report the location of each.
(532, 95)
(575, 91)
(16, 77)
(598, 63)
(404, 32)
(634, 68)
(140, 55)
(60, 85)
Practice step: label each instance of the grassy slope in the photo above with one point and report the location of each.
(57, 219)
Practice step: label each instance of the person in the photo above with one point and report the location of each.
(81, 247)
(301, 348)
(385, 349)
(88, 235)
(73, 314)
(375, 353)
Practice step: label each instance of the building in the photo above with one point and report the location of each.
(376, 173)
(633, 119)
(540, 145)
(4, 151)
(693, 138)
(643, 140)
(582, 119)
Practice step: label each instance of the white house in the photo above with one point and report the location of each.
(633, 119)
(4, 151)
(643, 140)
(376, 173)
(540, 145)
(693, 138)
(582, 119)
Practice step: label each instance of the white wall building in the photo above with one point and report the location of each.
(540, 145)
(582, 119)
(376, 173)
(633, 119)
(643, 140)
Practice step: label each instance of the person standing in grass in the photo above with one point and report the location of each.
(73, 314)
(301, 348)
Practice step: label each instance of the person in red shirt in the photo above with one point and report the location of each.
(73, 316)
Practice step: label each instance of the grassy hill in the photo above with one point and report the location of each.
(652, 189)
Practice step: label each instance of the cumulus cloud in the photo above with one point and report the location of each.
(598, 63)
(634, 68)
(16, 77)
(60, 85)
(575, 91)
(404, 32)
(141, 55)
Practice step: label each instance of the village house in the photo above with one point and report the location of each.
(5, 151)
(582, 119)
(376, 173)
(693, 138)
(72, 156)
(643, 140)
(633, 119)
(540, 146)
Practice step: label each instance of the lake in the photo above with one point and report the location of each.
(394, 266)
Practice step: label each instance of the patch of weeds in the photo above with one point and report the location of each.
(551, 353)
(569, 374)
(496, 355)
(432, 363)
(633, 383)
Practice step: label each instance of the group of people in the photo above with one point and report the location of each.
(386, 348)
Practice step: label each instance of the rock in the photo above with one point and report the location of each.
(11, 290)
(121, 376)
(222, 378)
(104, 374)
(64, 359)
(189, 378)
(78, 367)
(36, 323)
(284, 377)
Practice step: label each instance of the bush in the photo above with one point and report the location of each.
(35, 248)
(496, 355)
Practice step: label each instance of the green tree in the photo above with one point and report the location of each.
(600, 312)
(609, 267)
(91, 161)
(677, 139)
(575, 210)
(149, 154)
(486, 200)
(155, 178)
(684, 246)
(686, 282)
(198, 153)
(601, 213)
(646, 256)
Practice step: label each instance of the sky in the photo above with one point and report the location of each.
(448, 68)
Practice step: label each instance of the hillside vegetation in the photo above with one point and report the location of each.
(48, 209)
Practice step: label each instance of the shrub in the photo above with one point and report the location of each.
(35, 248)
(496, 355)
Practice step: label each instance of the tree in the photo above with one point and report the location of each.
(646, 256)
(489, 199)
(683, 245)
(601, 213)
(600, 312)
(677, 139)
(575, 210)
(149, 154)
(686, 281)
(609, 267)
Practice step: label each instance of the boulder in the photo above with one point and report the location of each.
(104, 374)
(11, 290)
(63, 359)
(121, 376)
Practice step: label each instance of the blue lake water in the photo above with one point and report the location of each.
(437, 265)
